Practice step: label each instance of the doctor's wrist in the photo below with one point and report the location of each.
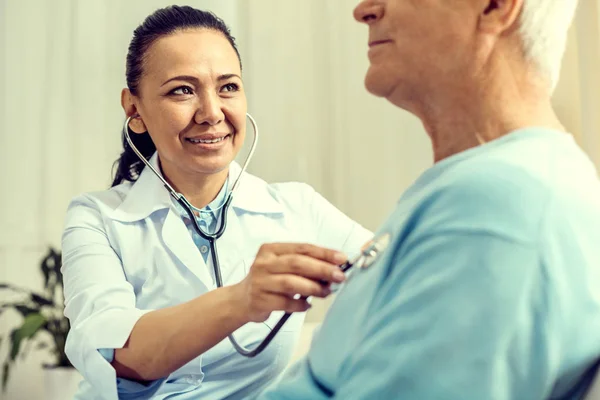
(236, 308)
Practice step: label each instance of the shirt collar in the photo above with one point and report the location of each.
(220, 199)
(211, 210)
(253, 194)
(148, 195)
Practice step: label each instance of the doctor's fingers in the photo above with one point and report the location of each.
(284, 303)
(307, 267)
(320, 253)
(292, 285)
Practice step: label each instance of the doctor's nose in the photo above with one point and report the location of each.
(368, 11)
(209, 111)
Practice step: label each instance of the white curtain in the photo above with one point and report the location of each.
(62, 69)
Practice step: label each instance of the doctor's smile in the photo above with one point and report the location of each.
(210, 141)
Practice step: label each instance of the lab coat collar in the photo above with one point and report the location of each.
(252, 194)
(148, 195)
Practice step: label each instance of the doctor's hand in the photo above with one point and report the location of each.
(281, 271)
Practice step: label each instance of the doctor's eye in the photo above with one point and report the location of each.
(230, 87)
(182, 90)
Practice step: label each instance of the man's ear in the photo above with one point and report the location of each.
(129, 104)
(498, 16)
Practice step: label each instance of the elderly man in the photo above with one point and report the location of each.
(490, 285)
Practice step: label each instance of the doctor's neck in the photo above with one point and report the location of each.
(199, 189)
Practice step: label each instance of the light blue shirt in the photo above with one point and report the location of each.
(207, 219)
(490, 288)
(127, 251)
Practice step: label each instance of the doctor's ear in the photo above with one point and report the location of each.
(498, 16)
(128, 102)
(136, 124)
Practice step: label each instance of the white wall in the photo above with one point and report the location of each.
(62, 69)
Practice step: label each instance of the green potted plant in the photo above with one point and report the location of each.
(43, 320)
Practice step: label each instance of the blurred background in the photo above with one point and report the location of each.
(62, 69)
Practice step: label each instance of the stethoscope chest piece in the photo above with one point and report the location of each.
(372, 250)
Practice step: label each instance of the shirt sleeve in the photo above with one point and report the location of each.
(461, 315)
(99, 301)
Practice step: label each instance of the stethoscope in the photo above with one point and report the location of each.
(369, 253)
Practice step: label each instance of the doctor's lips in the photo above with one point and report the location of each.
(208, 138)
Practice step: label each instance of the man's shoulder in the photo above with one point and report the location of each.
(487, 195)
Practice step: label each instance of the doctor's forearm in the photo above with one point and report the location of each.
(164, 340)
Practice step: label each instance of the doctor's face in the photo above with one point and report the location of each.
(192, 102)
(416, 44)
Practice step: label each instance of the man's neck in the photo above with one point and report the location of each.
(465, 117)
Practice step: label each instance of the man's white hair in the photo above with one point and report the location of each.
(543, 27)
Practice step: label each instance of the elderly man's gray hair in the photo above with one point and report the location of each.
(543, 27)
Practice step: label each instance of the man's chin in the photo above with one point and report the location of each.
(378, 83)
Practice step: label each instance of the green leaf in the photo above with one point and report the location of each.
(5, 371)
(32, 323)
(15, 343)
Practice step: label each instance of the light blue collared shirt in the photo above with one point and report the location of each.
(207, 219)
(489, 289)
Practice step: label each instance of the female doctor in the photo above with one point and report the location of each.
(148, 318)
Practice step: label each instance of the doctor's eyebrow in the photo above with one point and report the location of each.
(194, 80)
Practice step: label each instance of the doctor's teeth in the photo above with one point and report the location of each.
(207, 140)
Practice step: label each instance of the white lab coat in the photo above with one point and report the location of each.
(126, 251)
